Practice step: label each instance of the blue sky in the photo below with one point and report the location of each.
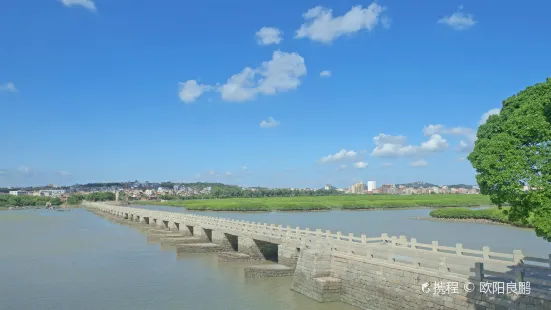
(270, 93)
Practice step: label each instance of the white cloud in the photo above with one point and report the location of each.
(342, 154)
(245, 168)
(419, 163)
(280, 74)
(455, 131)
(486, 115)
(360, 165)
(386, 164)
(342, 167)
(8, 87)
(325, 73)
(435, 144)
(461, 158)
(228, 174)
(269, 35)
(3, 172)
(458, 20)
(468, 133)
(465, 147)
(396, 146)
(321, 26)
(191, 90)
(87, 4)
(270, 123)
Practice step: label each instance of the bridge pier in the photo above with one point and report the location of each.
(203, 234)
(256, 249)
(287, 254)
(227, 241)
(312, 273)
(173, 226)
(184, 229)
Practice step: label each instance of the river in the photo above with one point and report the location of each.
(78, 260)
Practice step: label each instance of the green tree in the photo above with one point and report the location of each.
(513, 150)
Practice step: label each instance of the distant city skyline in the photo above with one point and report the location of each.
(368, 184)
(272, 94)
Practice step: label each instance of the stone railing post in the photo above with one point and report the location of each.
(443, 266)
(519, 274)
(413, 243)
(518, 257)
(435, 246)
(485, 252)
(479, 271)
(458, 249)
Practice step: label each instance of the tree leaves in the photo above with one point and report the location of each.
(513, 152)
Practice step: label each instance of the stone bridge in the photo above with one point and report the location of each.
(371, 273)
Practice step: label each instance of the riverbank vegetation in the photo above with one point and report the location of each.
(348, 202)
(231, 191)
(491, 214)
(99, 196)
(7, 201)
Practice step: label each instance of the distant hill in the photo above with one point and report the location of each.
(418, 184)
(461, 186)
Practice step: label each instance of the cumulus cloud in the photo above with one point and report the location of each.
(443, 130)
(228, 174)
(458, 20)
(282, 73)
(360, 165)
(269, 35)
(87, 4)
(469, 135)
(341, 155)
(486, 115)
(321, 26)
(270, 123)
(8, 87)
(342, 167)
(325, 73)
(435, 144)
(191, 90)
(396, 146)
(419, 163)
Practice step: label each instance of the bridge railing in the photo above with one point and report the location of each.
(400, 250)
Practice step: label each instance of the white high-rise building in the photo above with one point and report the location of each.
(371, 185)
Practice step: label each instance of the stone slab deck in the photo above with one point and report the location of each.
(264, 271)
(235, 257)
(200, 248)
(157, 236)
(180, 240)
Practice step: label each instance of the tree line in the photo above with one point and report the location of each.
(27, 201)
(237, 192)
(99, 196)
